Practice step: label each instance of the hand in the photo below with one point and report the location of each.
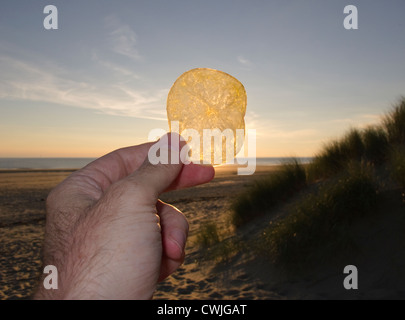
(108, 234)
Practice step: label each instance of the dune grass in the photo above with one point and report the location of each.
(344, 175)
(370, 145)
(269, 192)
(376, 145)
(394, 124)
(398, 166)
(208, 235)
(216, 245)
(373, 144)
(317, 228)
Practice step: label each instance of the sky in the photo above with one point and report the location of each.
(100, 81)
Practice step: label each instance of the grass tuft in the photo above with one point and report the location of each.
(267, 193)
(376, 146)
(369, 145)
(394, 123)
(208, 235)
(318, 225)
(218, 247)
(398, 166)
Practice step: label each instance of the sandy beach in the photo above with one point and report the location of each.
(241, 275)
(22, 222)
(22, 219)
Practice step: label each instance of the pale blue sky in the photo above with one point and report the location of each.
(101, 80)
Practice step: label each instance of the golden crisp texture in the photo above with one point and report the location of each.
(208, 99)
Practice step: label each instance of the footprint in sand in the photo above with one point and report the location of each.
(215, 295)
(187, 290)
(234, 293)
(201, 284)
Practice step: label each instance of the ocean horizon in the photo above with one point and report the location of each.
(77, 163)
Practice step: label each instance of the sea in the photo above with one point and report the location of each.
(77, 163)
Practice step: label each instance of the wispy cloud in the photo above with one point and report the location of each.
(116, 69)
(22, 80)
(122, 38)
(244, 62)
(358, 120)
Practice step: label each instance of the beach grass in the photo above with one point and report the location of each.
(394, 124)
(208, 235)
(373, 144)
(369, 145)
(376, 145)
(266, 193)
(216, 245)
(340, 187)
(398, 166)
(317, 227)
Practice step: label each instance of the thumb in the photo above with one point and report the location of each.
(153, 180)
(154, 177)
